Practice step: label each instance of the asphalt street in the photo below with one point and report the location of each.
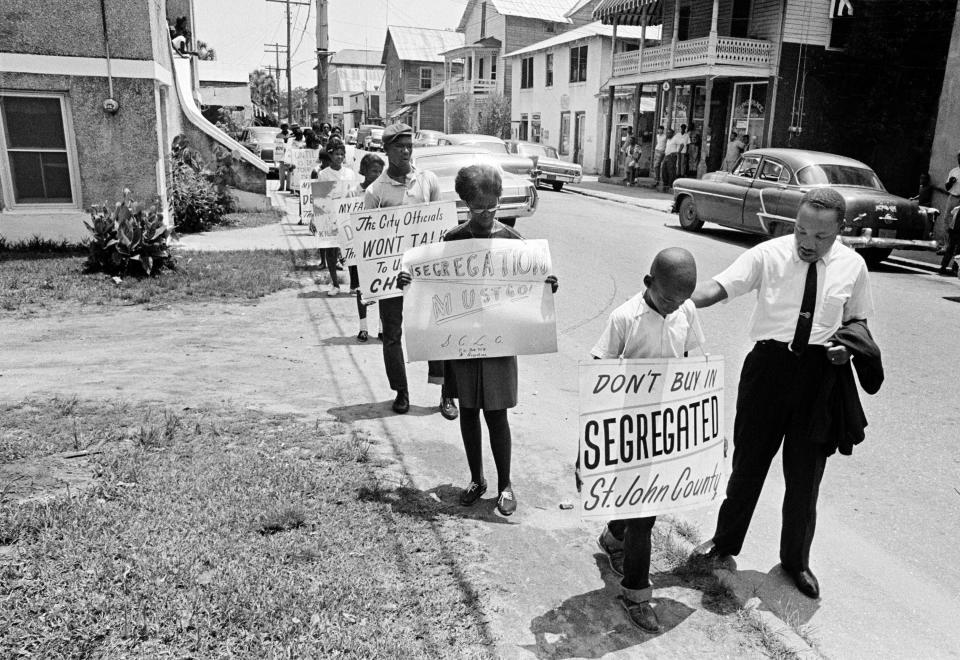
(886, 549)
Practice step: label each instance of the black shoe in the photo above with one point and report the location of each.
(614, 556)
(380, 336)
(448, 408)
(806, 582)
(506, 502)
(642, 615)
(473, 492)
(363, 335)
(401, 405)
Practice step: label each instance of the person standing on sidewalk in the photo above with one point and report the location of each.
(660, 321)
(671, 159)
(734, 149)
(952, 187)
(659, 149)
(796, 385)
(402, 184)
(284, 136)
(488, 384)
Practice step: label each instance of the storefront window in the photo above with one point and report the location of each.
(749, 113)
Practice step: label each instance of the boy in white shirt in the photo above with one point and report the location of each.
(661, 321)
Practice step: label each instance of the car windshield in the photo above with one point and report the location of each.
(377, 132)
(535, 150)
(492, 147)
(838, 175)
(450, 164)
(265, 134)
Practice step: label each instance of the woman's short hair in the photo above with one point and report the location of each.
(367, 161)
(333, 144)
(475, 180)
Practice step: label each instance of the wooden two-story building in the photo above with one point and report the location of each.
(860, 78)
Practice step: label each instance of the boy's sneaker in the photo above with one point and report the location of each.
(473, 493)
(506, 503)
(642, 615)
(614, 555)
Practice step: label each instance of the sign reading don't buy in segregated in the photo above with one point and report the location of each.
(652, 436)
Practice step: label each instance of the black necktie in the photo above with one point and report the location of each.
(801, 335)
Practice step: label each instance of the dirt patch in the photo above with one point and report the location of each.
(40, 479)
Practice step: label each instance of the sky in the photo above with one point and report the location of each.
(238, 29)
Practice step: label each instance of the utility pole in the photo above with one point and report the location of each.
(323, 60)
(276, 50)
(289, 87)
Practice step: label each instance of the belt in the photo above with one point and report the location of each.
(773, 344)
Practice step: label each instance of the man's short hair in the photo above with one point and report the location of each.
(825, 198)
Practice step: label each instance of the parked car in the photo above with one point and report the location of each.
(762, 195)
(488, 142)
(428, 138)
(518, 200)
(351, 136)
(365, 137)
(554, 170)
(260, 140)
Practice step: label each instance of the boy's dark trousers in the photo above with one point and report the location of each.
(635, 535)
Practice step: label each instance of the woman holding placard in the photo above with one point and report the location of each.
(344, 180)
(371, 167)
(489, 384)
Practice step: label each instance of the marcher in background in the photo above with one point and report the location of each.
(399, 185)
(734, 149)
(659, 149)
(293, 143)
(371, 167)
(345, 180)
(671, 158)
(660, 321)
(488, 384)
(284, 136)
(796, 386)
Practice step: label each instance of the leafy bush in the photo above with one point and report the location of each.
(127, 237)
(199, 198)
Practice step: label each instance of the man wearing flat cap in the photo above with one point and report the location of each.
(401, 184)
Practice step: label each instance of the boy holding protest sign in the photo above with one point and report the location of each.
(661, 321)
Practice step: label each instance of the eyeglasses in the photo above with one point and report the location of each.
(491, 209)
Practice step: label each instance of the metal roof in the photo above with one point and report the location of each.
(585, 31)
(356, 57)
(421, 44)
(545, 10)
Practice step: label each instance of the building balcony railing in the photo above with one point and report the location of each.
(695, 52)
(477, 87)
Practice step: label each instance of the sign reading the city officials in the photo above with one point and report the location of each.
(652, 437)
(479, 298)
(381, 236)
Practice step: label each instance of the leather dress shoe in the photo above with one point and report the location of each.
(448, 408)
(806, 582)
(642, 615)
(401, 405)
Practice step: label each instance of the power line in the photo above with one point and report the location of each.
(289, 86)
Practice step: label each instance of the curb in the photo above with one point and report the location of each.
(787, 638)
(663, 206)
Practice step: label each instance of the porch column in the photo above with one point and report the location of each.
(643, 38)
(609, 133)
(676, 28)
(712, 45)
(705, 133)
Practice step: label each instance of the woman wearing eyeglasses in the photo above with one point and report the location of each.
(489, 384)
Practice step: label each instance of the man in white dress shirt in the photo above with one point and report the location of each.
(807, 286)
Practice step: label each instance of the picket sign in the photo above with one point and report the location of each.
(652, 436)
(479, 298)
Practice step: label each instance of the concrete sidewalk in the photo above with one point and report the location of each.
(642, 195)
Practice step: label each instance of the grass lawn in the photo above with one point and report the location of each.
(35, 281)
(249, 219)
(221, 533)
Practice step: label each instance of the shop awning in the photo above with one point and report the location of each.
(627, 12)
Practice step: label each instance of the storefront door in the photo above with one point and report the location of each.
(579, 124)
(748, 114)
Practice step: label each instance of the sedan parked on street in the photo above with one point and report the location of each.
(260, 140)
(519, 197)
(427, 138)
(554, 171)
(762, 196)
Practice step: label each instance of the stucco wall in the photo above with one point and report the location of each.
(113, 151)
(75, 28)
(946, 139)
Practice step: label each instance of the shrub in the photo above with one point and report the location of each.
(198, 197)
(127, 237)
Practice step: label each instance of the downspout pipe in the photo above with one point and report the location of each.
(110, 104)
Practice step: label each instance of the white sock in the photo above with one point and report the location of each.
(363, 325)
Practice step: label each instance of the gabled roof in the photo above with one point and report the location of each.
(585, 31)
(420, 44)
(545, 10)
(356, 57)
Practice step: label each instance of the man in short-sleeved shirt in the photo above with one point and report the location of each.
(399, 185)
(795, 356)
